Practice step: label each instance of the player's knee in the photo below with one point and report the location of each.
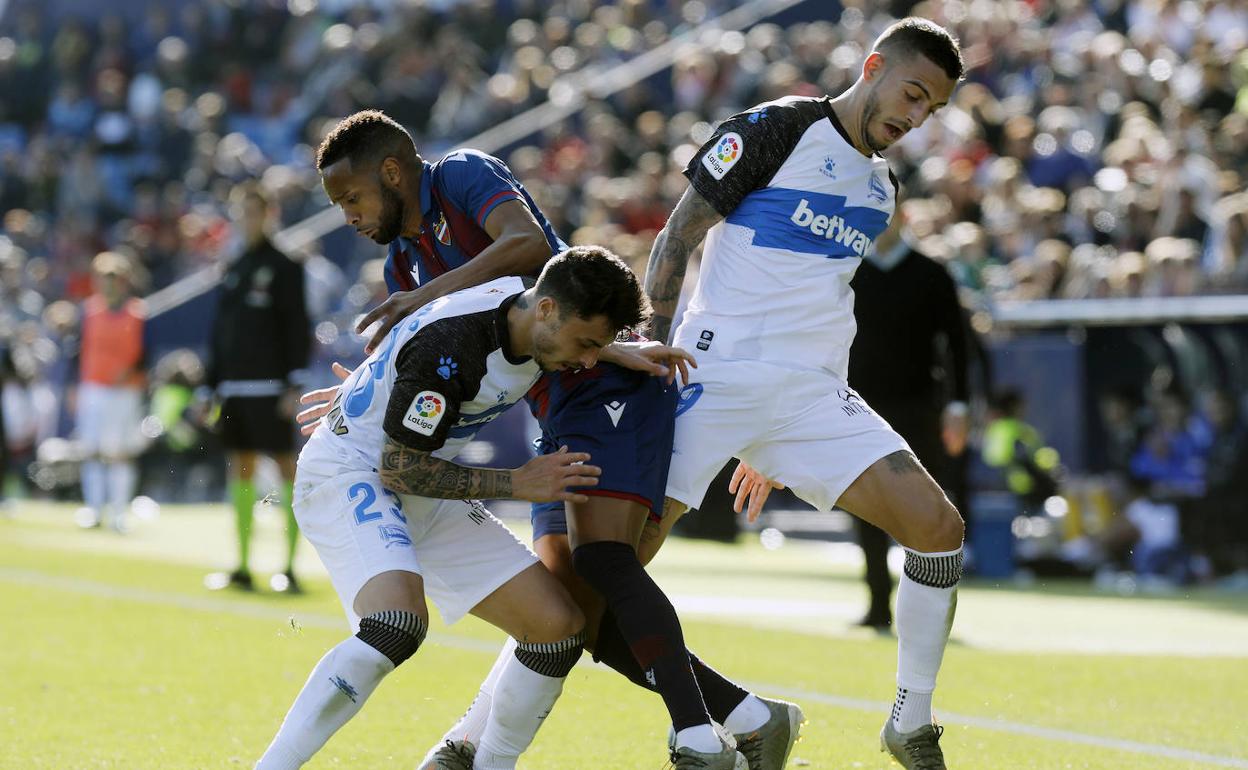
(950, 527)
(397, 634)
(933, 527)
(944, 528)
(559, 620)
(606, 565)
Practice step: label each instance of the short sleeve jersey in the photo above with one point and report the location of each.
(457, 195)
(441, 375)
(801, 208)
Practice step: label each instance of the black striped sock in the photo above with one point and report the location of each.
(935, 571)
(553, 659)
(394, 633)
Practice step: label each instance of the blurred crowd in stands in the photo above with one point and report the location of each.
(1096, 149)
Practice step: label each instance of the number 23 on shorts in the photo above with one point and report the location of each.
(364, 496)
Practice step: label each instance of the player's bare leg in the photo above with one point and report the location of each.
(897, 495)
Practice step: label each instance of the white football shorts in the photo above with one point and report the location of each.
(360, 530)
(802, 427)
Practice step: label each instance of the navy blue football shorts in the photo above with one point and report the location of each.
(625, 420)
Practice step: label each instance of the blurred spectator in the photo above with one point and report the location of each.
(1017, 449)
(110, 392)
(1218, 519)
(179, 465)
(1171, 455)
(1156, 549)
(260, 339)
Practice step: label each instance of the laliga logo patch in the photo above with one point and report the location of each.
(726, 152)
(442, 231)
(426, 412)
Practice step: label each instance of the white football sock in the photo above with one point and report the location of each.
(472, 724)
(701, 738)
(750, 714)
(926, 599)
(335, 691)
(522, 698)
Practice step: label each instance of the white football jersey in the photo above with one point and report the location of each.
(441, 375)
(802, 207)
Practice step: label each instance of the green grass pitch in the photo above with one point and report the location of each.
(112, 655)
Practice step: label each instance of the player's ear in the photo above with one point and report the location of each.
(391, 172)
(547, 309)
(873, 67)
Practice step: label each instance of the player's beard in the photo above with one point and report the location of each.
(869, 111)
(544, 349)
(390, 223)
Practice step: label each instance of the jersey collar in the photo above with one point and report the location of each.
(504, 331)
(840, 129)
(426, 188)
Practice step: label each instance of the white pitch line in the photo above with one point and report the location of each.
(245, 609)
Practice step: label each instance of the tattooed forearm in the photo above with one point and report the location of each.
(669, 259)
(414, 472)
(664, 277)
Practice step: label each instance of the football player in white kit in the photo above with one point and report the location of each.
(789, 197)
(394, 518)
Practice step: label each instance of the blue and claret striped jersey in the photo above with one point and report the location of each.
(801, 209)
(457, 194)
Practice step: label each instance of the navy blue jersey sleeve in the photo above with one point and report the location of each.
(477, 183)
(747, 150)
(435, 374)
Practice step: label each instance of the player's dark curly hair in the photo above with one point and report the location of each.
(588, 281)
(366, 137)
(914, 35)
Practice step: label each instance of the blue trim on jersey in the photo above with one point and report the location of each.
(809, 222)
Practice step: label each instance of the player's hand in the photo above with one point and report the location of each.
(749, 484)
(546, 478)
(397, 306)
(321, 401)
(652, 357)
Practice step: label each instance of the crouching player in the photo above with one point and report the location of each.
(395, 524)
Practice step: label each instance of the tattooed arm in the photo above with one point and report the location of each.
(669, 258)
(547, 477)
(415, 472)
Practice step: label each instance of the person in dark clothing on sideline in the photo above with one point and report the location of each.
(909, 319)
(260, 337)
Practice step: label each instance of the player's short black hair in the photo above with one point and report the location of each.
(915, 35)
(588, 281)
(366, 137)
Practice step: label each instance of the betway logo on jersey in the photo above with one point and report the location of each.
(810, 222)
(832, 228)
